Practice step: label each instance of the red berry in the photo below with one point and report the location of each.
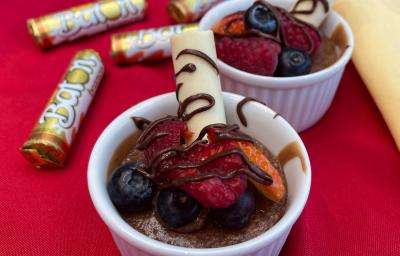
(213, 192)
(297, 34)
(174, 129)
(255, 55)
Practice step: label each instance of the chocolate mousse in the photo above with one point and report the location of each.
(212, 235)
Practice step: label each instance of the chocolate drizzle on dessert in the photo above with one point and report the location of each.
(142, 141)
(178, 87)
(140, 122)
(290, 151)
(200, 96)
(325, 4)
(199, 54)
(223, 131)
(253, 170)
(239, 109)
(189, 68)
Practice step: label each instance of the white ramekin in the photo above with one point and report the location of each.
(301, 100)
(275, 133)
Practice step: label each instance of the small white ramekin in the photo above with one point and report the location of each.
(301, 100)
(274, 133)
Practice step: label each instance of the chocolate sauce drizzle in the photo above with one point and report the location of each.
(140, 122)
(199, 54)
(313, 7)
(189, 68)
(239, 109)
(178, 87)
(200, 96)
(253, 170)
(143, 141)
(222, 131)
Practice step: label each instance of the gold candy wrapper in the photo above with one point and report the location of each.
(52, 136)
(183, 11)
(147, 44)
(84, 20)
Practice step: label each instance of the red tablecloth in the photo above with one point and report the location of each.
(353, 208)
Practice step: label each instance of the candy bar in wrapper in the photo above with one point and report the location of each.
(84, 20)
(52, 136)
(183, 11)
(148, 44)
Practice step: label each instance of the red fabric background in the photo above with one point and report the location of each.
(353, 208)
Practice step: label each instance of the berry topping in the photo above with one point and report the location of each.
(216, 191)
(252, 54)
(297, 34)
(261, 18)
(293, 62)
(176, 208)
(237, 215)
(277, 190)
(231, 25)
(160, 135)
(129, 189)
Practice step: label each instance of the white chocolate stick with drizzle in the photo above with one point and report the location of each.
(312, 12)
(197, 78)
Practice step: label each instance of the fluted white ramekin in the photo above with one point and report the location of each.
(275, 133)
(301, 100)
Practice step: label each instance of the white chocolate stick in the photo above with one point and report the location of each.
(317, 13)
(204, 79)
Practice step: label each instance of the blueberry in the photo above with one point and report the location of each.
(261, 18)
(293, 62)
(237, 215)
(176, 208)
(129, 189)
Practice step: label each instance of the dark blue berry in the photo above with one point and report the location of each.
(293, 62)
(176, 208)
(237, 215)
(129, 189)
(261, 18)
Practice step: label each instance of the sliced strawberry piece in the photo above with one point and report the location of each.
(277, 190)
(231, 25)
(297, 34)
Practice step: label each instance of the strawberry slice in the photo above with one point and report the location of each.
(277, 190)
(231, 25)
(297, 34)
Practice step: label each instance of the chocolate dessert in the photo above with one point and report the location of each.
(193, 180)
(270, 41)
(265, 215)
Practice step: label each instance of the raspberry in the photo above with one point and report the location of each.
(252, 54)
(297, 34)
(213, 192)
(174, 129)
